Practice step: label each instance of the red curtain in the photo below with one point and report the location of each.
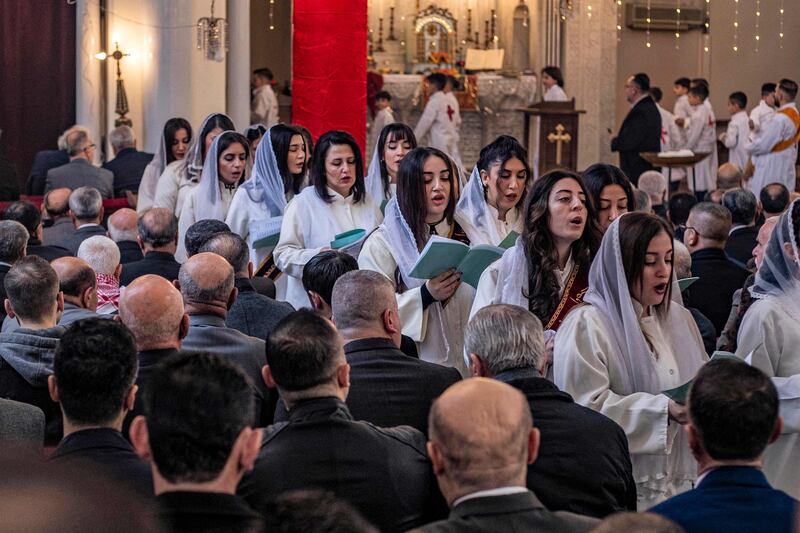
(37, 82)
(329, 64)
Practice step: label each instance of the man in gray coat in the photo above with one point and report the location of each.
(80, 172)
(206, 285)
(86, 212)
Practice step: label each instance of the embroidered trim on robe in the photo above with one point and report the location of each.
(574, 291)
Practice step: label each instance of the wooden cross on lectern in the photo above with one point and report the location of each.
(560, 138)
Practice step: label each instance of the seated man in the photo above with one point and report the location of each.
(103, 256)
(252, 313)
(733, 416)
(655, 185)
(56, 207)
(680, 204)
(206, 285)
(774, 199)
(742, 238)
(506, 342)
(682, 266)
(21, 425)
(86, 212)
(157, 236)
(94, 369)
(197, 437)
(129, 163)
(384, 473)
(29, 216)
(387, 387)
(122, 230)
(26, 354)
(13, 247)
(729, 176)
(80, 171)
(482, 442)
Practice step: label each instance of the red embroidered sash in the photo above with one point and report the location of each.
(575, 289)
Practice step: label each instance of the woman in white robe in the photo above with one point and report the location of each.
(610, 191)
(173, 147)
(335, 202)
(394, 142)
(632, 341)
(224, 171)
(491, 204)
(180, 177)
(769, 338)
(433, 312)
(278, 175)
(553, 82)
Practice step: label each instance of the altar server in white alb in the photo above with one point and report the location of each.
(335, 202)
(490, 207)
(433, 312)
(173, 147)
(439, 120)
(452, 100)
(224, 171)
(384, 115)
(736, 136)
(278, 175)
(774, 148)
(672, 136)
(765, 109)
(682, 107)
(769, 337)
(553, 82)
(264, 106)
(395, 140)
(702, 137)
(632, 341)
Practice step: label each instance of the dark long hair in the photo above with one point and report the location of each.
(281, 138)
(501, 150)
(319, 178)
(218, 120)
(308, 139)
(411, 191)
(398, 132)
(601, 175)
(233, 137)
(555, 73)
(171, 127)
(540, 248)
(636, 230)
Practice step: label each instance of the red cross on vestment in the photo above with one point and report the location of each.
(450, 112)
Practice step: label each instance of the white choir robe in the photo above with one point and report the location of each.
(513, 222)
(438, 120)
(774, 167)
(189, 216)
(555, 94)
(682, 109)
(736, 139)
(173, 188)
(456, 154)
(672, 138)
(768, 338)
(585, 367)
(760, 115)
(306, 231)
(377, 255)
(702, 137)
(264, 107)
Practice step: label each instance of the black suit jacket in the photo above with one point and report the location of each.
(255, 314)
(129, 252)
(81, 234)
(42, 162)
(712, 294)
(640, 132)
(206, 512)
(3, 271)
(589, 476)
(508, 513)
(107, 450)
(383, 472)
(740, 244)
(160, 263)
(148, 360)
(128, 166)
(48, 253)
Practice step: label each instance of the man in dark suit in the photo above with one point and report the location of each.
(706, 232)
(252, 313)
(506, 342)
(481, 444)
(29, 216)
(80, 172)
(207, 288)
(383, 472)
(13, 245)
(21, 424)
(733, 416)
(158, 237)
(387, 388)
(641, 129)
(86, 212)
(44, 161)
(61, 229)
(93, 409)
(742, 238)
(197, 437)
(122, 228)
(682, 266)
(128, 164)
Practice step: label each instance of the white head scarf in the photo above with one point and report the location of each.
(473, 213)
(609, 293)
(779, 275)
(373, 181)
(194, 157)
(154, 169)
(209, 197)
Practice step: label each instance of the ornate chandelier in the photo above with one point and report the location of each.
(212, 36)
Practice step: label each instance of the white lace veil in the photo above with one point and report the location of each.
(194, 157)
(473, 214)
(208, 203)
(266, 187)
(779, 275)
(154, 169)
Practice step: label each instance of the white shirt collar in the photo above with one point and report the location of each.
(3, 263)
(501, 491)
(87, 225)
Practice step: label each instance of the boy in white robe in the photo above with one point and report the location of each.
(438, 120)
(701, 137)
(264, 106)
(736, 136)
(761, 113)
(453, 103)
(383, 116)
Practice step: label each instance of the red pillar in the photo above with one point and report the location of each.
(329, 66)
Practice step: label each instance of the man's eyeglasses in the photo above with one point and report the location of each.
(91, 146)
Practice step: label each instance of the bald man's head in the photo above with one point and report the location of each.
(56, 202)
(122, 225)
(152, 308)
(206, 278)
(729, 176)
(77, 280)
(481, 437)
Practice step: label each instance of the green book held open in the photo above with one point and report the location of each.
(266, 233)
(350, 242)
(679, 394)
(509, 241)
(441, 254)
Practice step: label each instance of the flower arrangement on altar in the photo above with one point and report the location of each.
(439, 58)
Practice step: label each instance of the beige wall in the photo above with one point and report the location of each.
(272, 48)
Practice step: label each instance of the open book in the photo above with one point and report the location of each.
(350, 242)
(509, 241)
(266, 233)
(679, 394)
(441, 254)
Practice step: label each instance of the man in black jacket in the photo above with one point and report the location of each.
(584, 465)
(29, 216)
(641, 129)
(158, 238)
(743, 206)
(13, 245)
(383, 472)
(86, 212)
(128, 164)
(122, 229)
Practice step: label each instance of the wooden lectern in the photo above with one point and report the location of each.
(555, 134)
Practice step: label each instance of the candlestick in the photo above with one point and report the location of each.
(469, 25)
(379, 48)
(486, 34)
(391, 25)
